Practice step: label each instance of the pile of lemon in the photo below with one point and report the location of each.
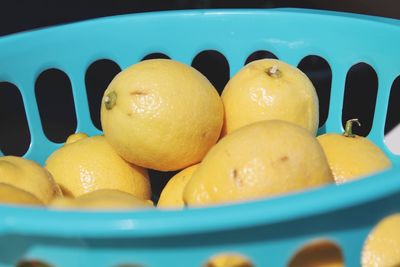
(257, 140)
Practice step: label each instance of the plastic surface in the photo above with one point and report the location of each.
(269, 231)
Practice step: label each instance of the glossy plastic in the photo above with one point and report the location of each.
(269, 231)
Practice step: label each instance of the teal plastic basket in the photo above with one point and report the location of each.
(268, 232)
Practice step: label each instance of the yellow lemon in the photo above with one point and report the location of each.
(172, 194)
(228, 260)
(161, 114)
(351, 156)
(29, 176)
(382, 247)
(10, 194)
(91, 164)
(269, 89)
(259, 160)
(102, 199)
(75, 137)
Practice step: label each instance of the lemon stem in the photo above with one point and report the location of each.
(348, 131)
(274, 72)
(110, 100)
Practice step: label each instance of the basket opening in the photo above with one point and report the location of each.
(14, 137)
(393, 114)
(319, 72)
(214, 66)
(33, 263)
(318, 253)
(53, 92)
(158, 180)
(392, 124)
(260, 54)
(360, 96)
(98, 76)
(155, 55)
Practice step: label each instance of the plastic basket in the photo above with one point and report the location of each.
(268, 231)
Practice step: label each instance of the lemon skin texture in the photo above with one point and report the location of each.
(29, 176)
(90, 164)
(161, 114)
(263, 159)
(269, 89)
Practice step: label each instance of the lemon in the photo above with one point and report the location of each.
(269, 89)
(10, 194)
(228, 260)
(75, 137)
(351, 156)
(29, 176)
(91, 164)
(102, 199)
(172, 194)
(161, 114)
(382, 247)
(259, 160)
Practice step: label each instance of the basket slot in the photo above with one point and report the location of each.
(98, 76)
(214, 66)
(320, 73)
(334, 119)
(360, 96)
(393, 116)
(260, 54)
(54, 97)
(15, 137)
(392, 126)
(33, 263)
(156, 55)
(319, 251)
(379, 121)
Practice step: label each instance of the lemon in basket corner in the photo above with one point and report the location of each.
(228, 260)
(351, 156)
(10, 194)
(90, 164)
(75, 137)
(382, 247)
(270, 89)
(29, 176)
(161, 114)
(102, 199)
(171, 196)
(263, 159)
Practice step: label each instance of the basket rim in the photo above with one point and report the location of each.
(215, 12)
(151, 223)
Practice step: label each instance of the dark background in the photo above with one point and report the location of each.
(22, 15)
(16, 16)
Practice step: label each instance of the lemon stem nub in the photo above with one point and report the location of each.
(348, 131)
(110, 100)
(274, 72)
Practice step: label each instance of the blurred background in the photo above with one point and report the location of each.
(58, 119)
